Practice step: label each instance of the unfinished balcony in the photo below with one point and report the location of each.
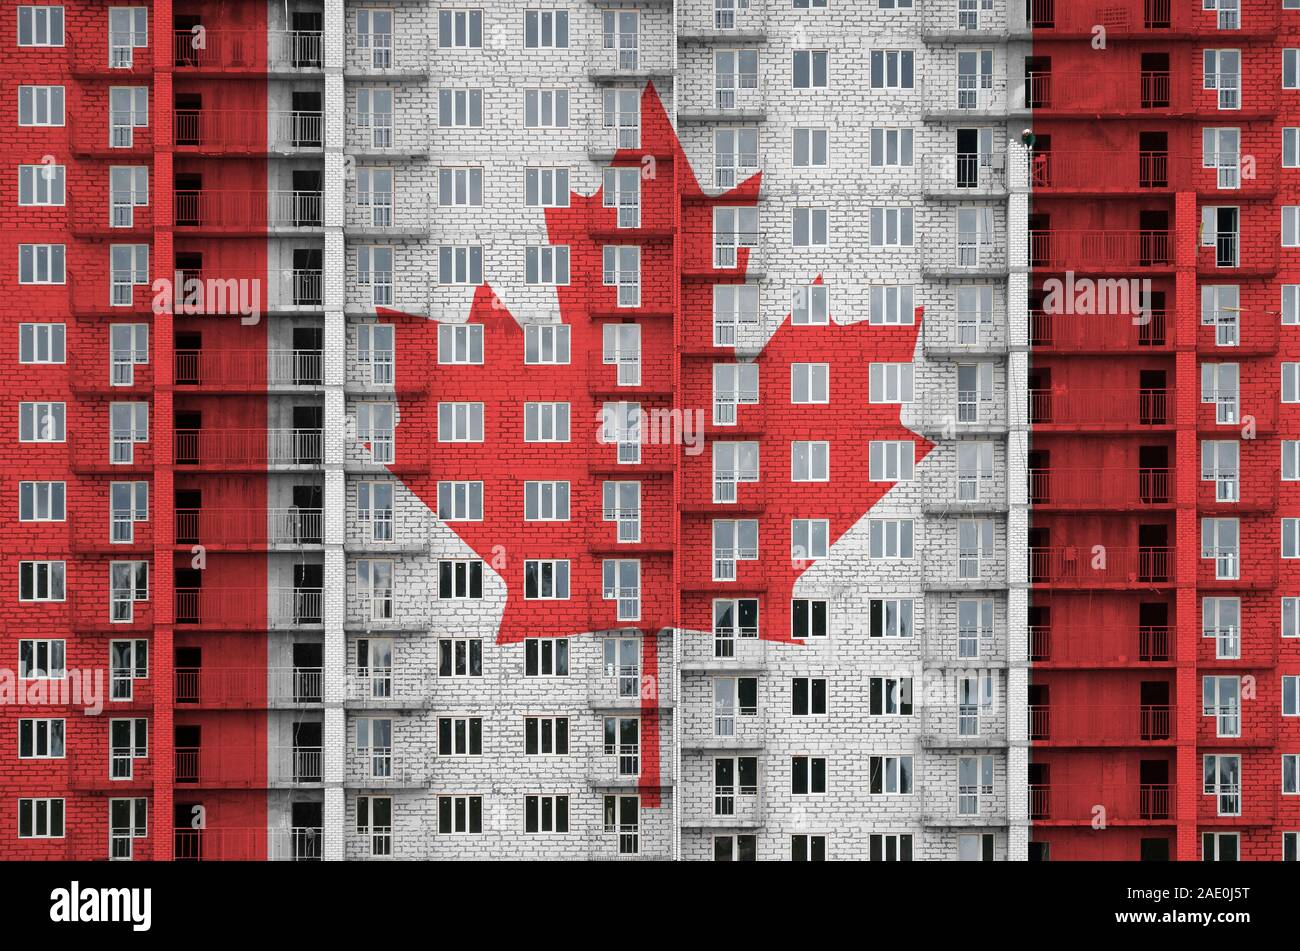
(1106, 172)
(248, 688)
(1125, 804)
(1098, 409)
(217, 212)
(223, 608)
(1082, 725)
(955, 21)
(247, 132)
(222, 766)
(1150, 93)
(1104, 251)
(966, 175)
(1070, 647)
(248, 371)
(1126, 328)
(1149, 19)
(245, 450)
(1083, 568)
(1105, 489)
(250, 529)
(272, 53)
(245, 844)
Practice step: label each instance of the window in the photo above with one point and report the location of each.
(375, 274)
(809, 383)
(1291, 69)
(128, 741)
(622, 665)
(41, 580)
(40, 105)
(546, 108)
(809, 228)
(375, 193)
(460, 422)
(1221, 309)
(41, 659)
(375, 823)
(810, 69)
(891, 148)
(974, 313)
(621, 583)
(546, 264)
(735, 72)
(1291, 538)
(1220, 385)
(809, 461)
(891, 775)
(546, 736)
(460, 736)
(128, 348)
(460, 579)
(974, 469)
(1220, 846)
(375, 431)
(460, 29)
(460, 815)
(1290, 840)
(1220, 540)
(891, 305)
(128, 503)
(375, 510)
(974, 545)
(1221, 150)
(546, 29)
(1291, 617)
(546, 501)
(623, 823)
(733, 229)
(546, 814)
(807, 618)
(811, 147)
(1291, 226)
(457, 188)
(809, 538)
(891, 617)
(808, 775)
(460, 501)
(546, 187)
(734, 777)
(622, 117)
(460, 656)
(890, 383)
(546, 657)
(129, 268)
(621, 268)
(974, 389)
(1291, 695)
(460, 108)
(735, 305)
(457, 343)
(623, 741)
(460, 264)
(127, 821)
(974, 783)
(1291, 147)
(975, 847)
(375, 113)
(891, 538)
(40, 739)
(40, 818)
(1229, 12)
(733, 463)
(808, 696)
(41, 185)
(734, 384)
(974, 78)
(41, 501)
(1223, 781)
(974, 696)
(546, 579)
(735, 848)
(41, 343)
(621, 504)
(733, 540)
(1290, 304)
(1222, 700)
(1291, 774)
(40, 26)
(128, 661)
(128, 30)
(546, 422)
(890, 696)
(621, 189)
(891, 227)
(810, 306)
(375, 33)
(732, 618)
(128, 110)
(891, 461)
(41, 422)
(375, 747)
(735, 155)
(128, 583)
(41, 263)
(1222, 72)
(807, 848)
(891, 69)
(974, 625)
(621, 347)
(621, 426)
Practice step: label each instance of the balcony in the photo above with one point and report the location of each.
(965, 98)
(1106, 172)
(385, 768)
(1147, 644)
(1070, 566)
(961, 806)
(1125, 328)
(618, 63)
(738, 22)
(1124, 804)
(1152, 19)
(247, 449)
(949, 20)
(1101, 724)
(380, 215)
(1136, 93)
(1107, 488)
(373, 56)
(1100, 250)
(726, 254)
(249, 608)
(948, 334)
(960, 493)
(963, 256)
(723, 650)
(385, 688)
(1099, 408)
(242, 844)
(732, 103)
(247, 132)
(257, 688)
(723, 729)
(380, 610)
(966, 175)
(244, 371)
(249, 529)
(628, 688)
(620, 767)
(253, 52)
(963, 726)
(707, 806)
(247, 767)
(215, 211)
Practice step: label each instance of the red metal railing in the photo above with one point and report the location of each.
(1093, 406)
(1123, 327)
(1153, 645)
(258, 368)
(1078, 802)
(1059, 250)
(251, 50)
(1118, 487)
(236, 209)
(276, 526)
(1077, 566)
(247, 447)
(1084, 724)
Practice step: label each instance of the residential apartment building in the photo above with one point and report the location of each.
(418, 383)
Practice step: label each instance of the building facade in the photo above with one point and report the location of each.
(416, 383)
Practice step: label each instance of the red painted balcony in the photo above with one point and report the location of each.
(1124, 803)
(246, 767)
(1099, 250)
(242, 370)
(1102, 172)
(246, 51)
(239, 844)
(1148, 643)
(247, 131)
(1119, 331)
(248, 608)
(1099, 408)
(1101, 724)
(216, 210)
(249, 528)
(1103, 488)
(1070, 566)
(247, 687)
(1145, 92)
(238, 449)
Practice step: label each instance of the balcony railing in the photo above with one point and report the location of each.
(247, 767)
(234, 844)
(248, 368)
(1081, 566)
(247, 50)
(1126, 326)
(1081, 725)
(236, 608)
(969, 173)
(1101, 92)
(213, 209)
(1094, 406)
(247, 130)
(244, 448)
(247, 687)
(1078, 802)
(1107, 487)
(955, 254)
(250, 527)
(1105, 171)
(1152, 641)
(1079, 250)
